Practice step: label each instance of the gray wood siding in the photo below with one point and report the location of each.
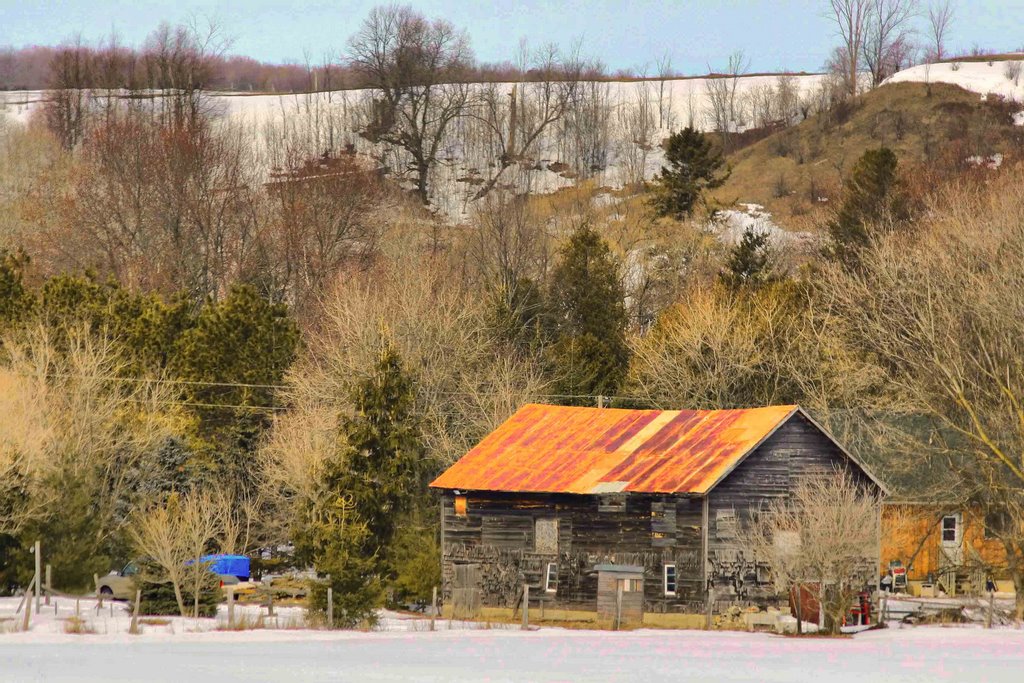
(796, 449)
(498, 534)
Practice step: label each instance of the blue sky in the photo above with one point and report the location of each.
(793, 34)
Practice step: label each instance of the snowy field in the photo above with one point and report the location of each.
(403, 649)
(921, 654)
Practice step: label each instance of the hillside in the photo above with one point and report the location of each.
(794, 172)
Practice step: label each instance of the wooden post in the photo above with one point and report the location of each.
(618, 604)
(49, 583)
(231, 606)
(39, 573)
(709, 620)
(526, 606)
(433, 608)
(28, 608)
(78, 607)
(270, 604)
(991, 608)
(134, 627)
(99, 596)
(330, 607)
(883, 610)
(799, 609)
(600, 401)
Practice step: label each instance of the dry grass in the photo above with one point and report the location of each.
(78, 626)
(154, 621)
(815, 155)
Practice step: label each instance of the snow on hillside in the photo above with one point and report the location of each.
(331, 120)
(984, 78)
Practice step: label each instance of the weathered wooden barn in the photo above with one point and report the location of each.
(555, 492)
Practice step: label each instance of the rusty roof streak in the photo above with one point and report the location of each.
(560, 449)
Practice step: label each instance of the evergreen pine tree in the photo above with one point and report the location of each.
(337, 540)
(750, 263)
(695, 165)
(873, 198)
(590, 354)
(382, 464)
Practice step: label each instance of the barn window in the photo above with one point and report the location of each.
(551, 578)
(546, 536)
(670, 579)
(996, 522)
(949, 529)
(630, 585)
(460, 506)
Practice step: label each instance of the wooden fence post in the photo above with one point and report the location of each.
(270, 604)
(231, 606)
(99, 596)
(618, 604)
(48, 584)
(991, 608)
(710, 617)
(133, 628)
(330, 607)
(39, 573)
(28, 608)
(526, 606)
(799, 609)
(433, 608)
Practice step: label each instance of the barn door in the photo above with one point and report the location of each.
(466, 591)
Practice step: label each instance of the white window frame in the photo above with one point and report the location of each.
(551, 567)
(675, 579)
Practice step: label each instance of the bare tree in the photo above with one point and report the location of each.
(636, 126)
(940, 20)
(823, 539)
(418, 68)
(724, 108)
(174, 534)
(888, 37)
(665, 73)
(516, 120)
(68, 428)
(852, 18)
(67, 107)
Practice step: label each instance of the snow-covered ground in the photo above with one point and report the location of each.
(929, 654)
(980, 77)
(403, 649)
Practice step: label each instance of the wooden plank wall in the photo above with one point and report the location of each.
(498, 533)
(796, 448)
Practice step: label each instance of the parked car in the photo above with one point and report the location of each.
(120, 585)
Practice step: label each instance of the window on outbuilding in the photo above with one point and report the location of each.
(670, 579)
(996, 522)
(545, 538)
(551, 578)
(460, 506)
(950, 533)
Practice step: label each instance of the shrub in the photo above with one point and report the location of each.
(158, 597)
(1012, 71)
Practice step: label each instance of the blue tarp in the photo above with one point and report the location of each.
(228, 565)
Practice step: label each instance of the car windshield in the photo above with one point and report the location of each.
(130, 569)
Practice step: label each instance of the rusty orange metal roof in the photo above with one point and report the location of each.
(561, 449)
